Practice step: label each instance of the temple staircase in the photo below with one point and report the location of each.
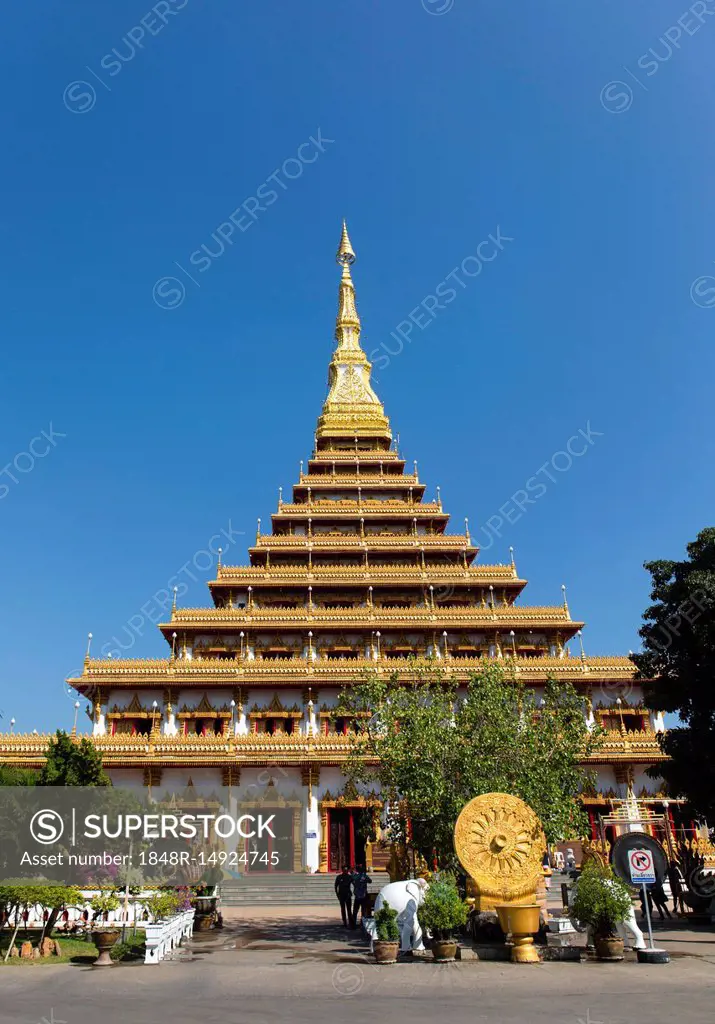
(261, 889)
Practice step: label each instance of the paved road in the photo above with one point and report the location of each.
(315, 972)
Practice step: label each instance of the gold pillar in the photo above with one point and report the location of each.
(297, 845)
(323, 847)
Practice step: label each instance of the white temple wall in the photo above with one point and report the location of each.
(642, 781)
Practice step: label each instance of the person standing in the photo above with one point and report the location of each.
(361, 880)
(676, 886)
(660, 899)
(343, 890)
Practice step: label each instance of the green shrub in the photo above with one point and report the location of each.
(601, 900)
(163, 903)
(386, 923)
(443, 912)
(134, 948)
(103, 903)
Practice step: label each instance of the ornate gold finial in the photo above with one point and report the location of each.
(566, 606)
(352, 409)
(347, 325)
(346, 253)
(89, 644)
(173, 603)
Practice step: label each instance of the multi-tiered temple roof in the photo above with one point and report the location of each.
(358, 571)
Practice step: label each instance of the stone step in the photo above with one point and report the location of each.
(287, 890)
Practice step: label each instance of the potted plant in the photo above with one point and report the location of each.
(387, 943)
(442, 914)
(104, 935)
(602, 901)
(162, 904)
(203, 901)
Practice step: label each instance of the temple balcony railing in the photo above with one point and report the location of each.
(350, 455)
(629, 745)
(458, 542)
(338, 480)
(353, 507)
(434, 574)
(296, 748)
(609, 673)
(437, 617)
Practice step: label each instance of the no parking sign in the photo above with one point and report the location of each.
(641, 866)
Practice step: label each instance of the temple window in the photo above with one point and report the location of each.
(633, 721)
(343, 726)
(277, 725)
(204, 727)
(130, 727)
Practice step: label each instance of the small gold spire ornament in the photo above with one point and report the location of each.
(345, 253)
(352, 409)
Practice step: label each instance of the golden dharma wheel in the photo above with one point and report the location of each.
(500, 844)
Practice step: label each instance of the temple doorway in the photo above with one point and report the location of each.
(346, 838)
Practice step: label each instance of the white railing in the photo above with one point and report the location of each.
(163, 937)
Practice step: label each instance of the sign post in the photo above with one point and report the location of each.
(640, 863)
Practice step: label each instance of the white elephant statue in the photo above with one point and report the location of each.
(404, 897)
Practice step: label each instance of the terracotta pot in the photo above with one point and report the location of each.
(204, 904)
(104, 939)
(385, 952)
(608, 947)
(444, 950)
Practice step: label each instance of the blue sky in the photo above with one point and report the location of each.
(444, 129)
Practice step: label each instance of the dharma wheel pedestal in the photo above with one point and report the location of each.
(500, 844)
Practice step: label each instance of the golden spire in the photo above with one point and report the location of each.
(352, 409)
(347, 325)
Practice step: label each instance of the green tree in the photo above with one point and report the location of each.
(72, 762)
(677, 667)
(433, 747)
(16, 898)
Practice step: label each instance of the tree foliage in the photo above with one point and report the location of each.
(433, 746)
(11, 775)
(17, 897)
(72, 762)
(677, 667)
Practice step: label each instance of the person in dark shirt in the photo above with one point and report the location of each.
(361, 880)
(343, 890)
(676, 886)
(660, 899)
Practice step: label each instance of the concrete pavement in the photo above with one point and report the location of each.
(266, 969)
